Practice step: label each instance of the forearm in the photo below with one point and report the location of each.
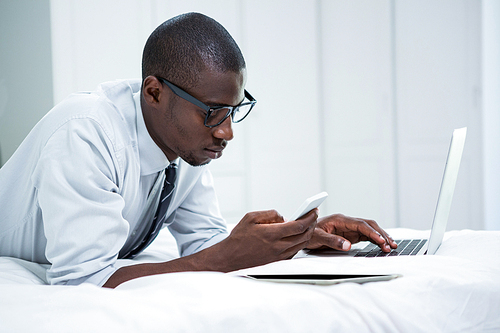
(207, 260)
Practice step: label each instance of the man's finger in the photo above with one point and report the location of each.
(264, 217)
(299, 226)
(383, 237)
(376, 235)
(299, 238)
(388, 239)
(289, 253)
(322, 238)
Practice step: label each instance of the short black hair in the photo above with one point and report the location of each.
(180, 48)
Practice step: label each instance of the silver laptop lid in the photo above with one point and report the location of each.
(447, 188)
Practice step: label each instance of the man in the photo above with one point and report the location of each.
(101, 173)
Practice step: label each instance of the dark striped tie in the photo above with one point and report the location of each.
(161, 211)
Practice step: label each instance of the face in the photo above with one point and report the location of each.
(177, 126)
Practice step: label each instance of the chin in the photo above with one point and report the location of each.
(192, 161)
(199, 164)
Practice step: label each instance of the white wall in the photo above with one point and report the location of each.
(25, 70)
(491, 111)
(357, 91)
(354, 97)
(437, 63)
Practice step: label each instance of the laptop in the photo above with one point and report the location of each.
(422, 246)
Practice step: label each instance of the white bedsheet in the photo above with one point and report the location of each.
(457, 290)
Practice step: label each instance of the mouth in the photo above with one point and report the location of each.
(214, 152)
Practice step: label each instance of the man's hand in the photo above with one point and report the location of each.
(339, 232)
(264, 237)
(259, 238)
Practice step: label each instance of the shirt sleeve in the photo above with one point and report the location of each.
(198, 223)
(78, 193)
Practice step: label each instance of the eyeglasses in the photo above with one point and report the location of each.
(215, 115)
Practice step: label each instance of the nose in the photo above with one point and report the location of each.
(225, 130)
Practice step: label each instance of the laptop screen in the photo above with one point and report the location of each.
(447, 188)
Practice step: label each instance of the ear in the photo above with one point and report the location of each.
(152, 91)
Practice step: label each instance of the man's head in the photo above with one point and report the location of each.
(198, 56)
(182, 47)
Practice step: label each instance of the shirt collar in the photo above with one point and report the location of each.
(152, 158)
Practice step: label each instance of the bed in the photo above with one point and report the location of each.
(456, 290)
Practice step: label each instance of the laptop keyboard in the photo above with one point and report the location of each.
(406, 247)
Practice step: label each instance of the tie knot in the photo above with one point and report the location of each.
(170, 173)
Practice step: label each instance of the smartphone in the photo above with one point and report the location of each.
(308, 205)
(322, 279)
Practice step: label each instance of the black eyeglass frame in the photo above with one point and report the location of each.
(209, 110)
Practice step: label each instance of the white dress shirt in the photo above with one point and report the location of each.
(84, 186)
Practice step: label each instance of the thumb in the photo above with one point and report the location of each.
(322, 238)
(263, 217)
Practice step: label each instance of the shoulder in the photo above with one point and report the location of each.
(109, 110)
